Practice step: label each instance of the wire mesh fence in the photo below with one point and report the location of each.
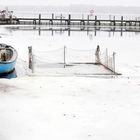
(73, 60)
(108, 61)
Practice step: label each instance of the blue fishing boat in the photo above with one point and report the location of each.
(8, 57)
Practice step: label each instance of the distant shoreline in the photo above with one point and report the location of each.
(76, 8)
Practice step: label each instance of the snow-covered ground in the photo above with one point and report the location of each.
(69, 107)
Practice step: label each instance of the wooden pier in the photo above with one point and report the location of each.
(69, 21)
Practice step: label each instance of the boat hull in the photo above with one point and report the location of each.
(8, 57)
(7, 67)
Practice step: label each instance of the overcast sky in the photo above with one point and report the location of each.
(68, 2)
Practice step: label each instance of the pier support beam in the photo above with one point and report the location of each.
(121, 20)
(95, 20)
(88, 20)
(69, 20)
(39, 19)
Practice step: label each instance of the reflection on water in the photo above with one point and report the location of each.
(108, 31)
(9, 75)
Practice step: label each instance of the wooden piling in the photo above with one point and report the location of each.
(69, 20)
(39, 19)
(114, 21)
(61, 16)
(88, 20)
(95, 20)
(121, 20)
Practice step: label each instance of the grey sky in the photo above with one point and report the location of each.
(68, 2)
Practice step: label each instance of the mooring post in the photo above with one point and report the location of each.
(51, 21)
(30, 58)
(121, 20)
(88, 20)
(61, 16)
(135, 21)
(110, 20)
(69, 20)
(64, 56)
(114, 62)
(114, 21)
(39, 19)
(95, 20)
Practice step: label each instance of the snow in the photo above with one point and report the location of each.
(71, 107)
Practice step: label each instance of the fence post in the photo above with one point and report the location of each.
(114, 62)
(33, 61)
(64, 56)
(106, 57)
(30, 58)
(97, 55)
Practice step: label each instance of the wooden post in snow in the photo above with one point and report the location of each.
(106, 57)
(97, 55)
(114, 62)
(30, 58)
(64, 56)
